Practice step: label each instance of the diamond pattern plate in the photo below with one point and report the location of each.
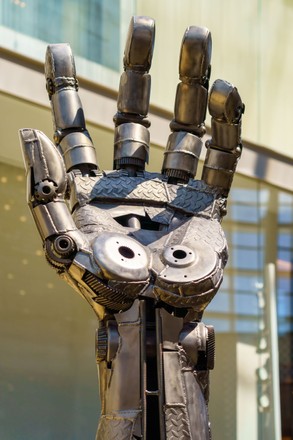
(177, 426)
(195, 197)
(208, 231)
(114, 428)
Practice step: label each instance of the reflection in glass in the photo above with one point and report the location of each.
(91, 27)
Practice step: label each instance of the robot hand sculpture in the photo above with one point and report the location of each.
(146, 250)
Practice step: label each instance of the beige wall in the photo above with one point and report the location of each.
(252, 41)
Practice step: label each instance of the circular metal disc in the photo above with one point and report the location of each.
(188, 263)
(121, 257)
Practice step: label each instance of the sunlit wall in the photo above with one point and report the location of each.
(252, 45)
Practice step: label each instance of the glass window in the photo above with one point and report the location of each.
(247, 326)
(221, 303)
(246, 304)
(285, 239)
(285, 212)
(244, 213)
(95, 29)
(245, 282)
(277, 224)
(247, 239)
(247, 258)
(259, 231)
(91, 27)
(284, 306)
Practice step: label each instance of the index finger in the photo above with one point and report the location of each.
(71, 135)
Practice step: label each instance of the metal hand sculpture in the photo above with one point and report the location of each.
(146, 250)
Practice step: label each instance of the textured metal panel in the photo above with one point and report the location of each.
(196, 407)
(114, 428)
(177, 424)
(192, 198)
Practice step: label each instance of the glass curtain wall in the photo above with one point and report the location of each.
(92, 27)
(282, 253)
(259, 231)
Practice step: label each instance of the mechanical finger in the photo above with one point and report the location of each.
(71, 135)
(47, 184)
(184, 144)
(131, 143)
(224, 148)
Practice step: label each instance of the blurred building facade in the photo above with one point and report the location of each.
(48, 382)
